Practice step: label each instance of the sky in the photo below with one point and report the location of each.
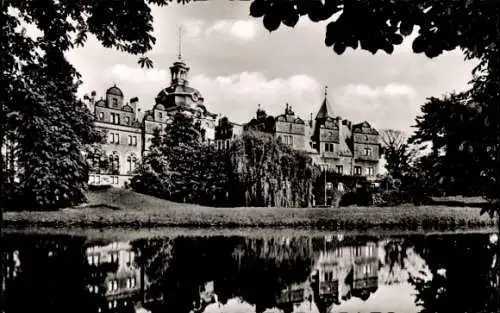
(237, 64)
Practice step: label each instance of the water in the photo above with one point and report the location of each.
(328, 272)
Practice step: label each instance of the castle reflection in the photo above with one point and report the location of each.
(208, 274)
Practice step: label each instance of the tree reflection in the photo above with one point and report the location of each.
(266, 267)
(463, 275)
(47, 274)
(186, 274)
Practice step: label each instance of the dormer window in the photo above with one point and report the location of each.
(160, 115)
(128, 120)
(115, 102)
(368, 152)
(115, 118)
(101, 115)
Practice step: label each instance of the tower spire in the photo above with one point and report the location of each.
(180, 45)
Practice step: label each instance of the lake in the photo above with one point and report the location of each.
(231, 271)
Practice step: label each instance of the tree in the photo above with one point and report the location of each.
(472, 26)
(397, 153)
(180, 167)
(456, 131)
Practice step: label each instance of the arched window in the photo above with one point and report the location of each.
(96, 161)
(131, 162)
(114, 160)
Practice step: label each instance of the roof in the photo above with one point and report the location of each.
(325, 110)
(364, 128)
(114, 91)
(169, 96)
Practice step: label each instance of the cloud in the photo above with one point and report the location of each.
(124, 73)
(392, 105)
(238, 95)
(389, 90)
(240, 29)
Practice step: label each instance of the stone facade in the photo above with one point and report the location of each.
(129, 131)
(332, 142)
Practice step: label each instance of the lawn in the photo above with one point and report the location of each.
(124, 208)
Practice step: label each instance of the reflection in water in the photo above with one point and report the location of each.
(448, 273)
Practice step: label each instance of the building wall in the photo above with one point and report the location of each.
(104, 114)
(129, 144)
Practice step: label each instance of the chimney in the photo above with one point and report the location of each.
(138, 115)
(133, 103)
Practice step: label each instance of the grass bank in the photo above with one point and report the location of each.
(124, 208)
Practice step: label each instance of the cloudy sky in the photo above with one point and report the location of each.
(237, 64)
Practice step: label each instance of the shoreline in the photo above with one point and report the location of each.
(350, 218)
(133, 233)
(119, 208)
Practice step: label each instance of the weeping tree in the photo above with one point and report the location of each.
(269, 173)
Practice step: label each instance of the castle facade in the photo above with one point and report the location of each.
(333, 143)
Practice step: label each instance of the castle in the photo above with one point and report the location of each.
(333, 143)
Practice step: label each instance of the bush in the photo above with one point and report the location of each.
(361, 197)
(391, 198)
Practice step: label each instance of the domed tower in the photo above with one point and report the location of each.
(114, 97)
(178, 72)
(179, 94)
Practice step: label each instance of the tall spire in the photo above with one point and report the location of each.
(325, 110)
(180, 43)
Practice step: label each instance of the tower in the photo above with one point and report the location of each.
(324, 110)
(179, 70)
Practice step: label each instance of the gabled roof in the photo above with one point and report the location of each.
(325, 110)
(364, 128)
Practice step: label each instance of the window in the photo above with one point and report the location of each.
(227, 143)
(114, 160)
(101, 115)
(115, 118)
(93, 259)
(160, 115)
(96, 161)
(115, 180)
(288, 139)
(357, 170)
(113, 257)
(219, 144)
(131, 162)
(128, 120)
(132, 140)
(369, 171)
(98, 179)
(131, 257)
(114, 138)
(115, 102)
(368, 151)
(328, 147)
(340, 169)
